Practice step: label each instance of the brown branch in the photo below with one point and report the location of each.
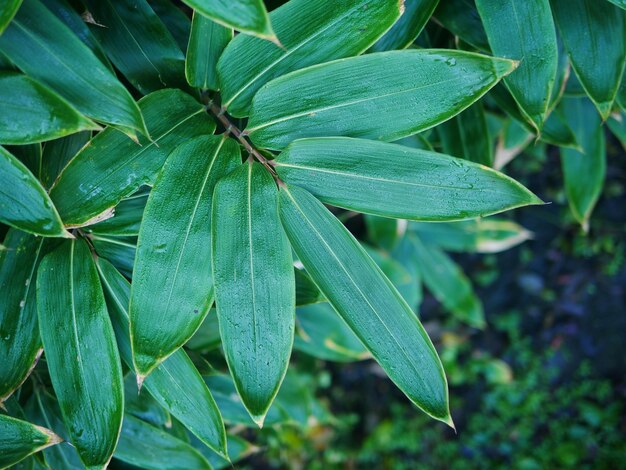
(230, 128)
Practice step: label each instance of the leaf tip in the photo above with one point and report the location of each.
(140, 379)
(503, 67)
(258, 419)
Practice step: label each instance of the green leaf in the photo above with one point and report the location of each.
(383, 232)
(554, 131)
(34, 113)
(238, 449)
(445, 279)
(120, 251)
(395, 181)
(24, 203)
(127, 218)
(461, 18)
(146, 446)
(592, 32)
(142, 405)
(247, 16)
(30, 155)
(408, 27)
(254, 285)
(20, 346)
(138, 43)
(524, 31)
(57, 154)
(113, 167)
(584, 172)
(175, 19)
(467, 136)
(175, 384)
(617, 125)
(366, 300)
(619, 3)
(311, 33)
(409, 91)
(8, 9)
(206, 43)
(80, 348)
(404, 254)
(21, 439)
(323, 334)
(68, 15)
(306, 291)
(47, 50)
(43, 409)
(172, 283)
(490, 235)
(207, 337)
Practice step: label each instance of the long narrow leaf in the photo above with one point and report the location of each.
(172, 284)
(175, 384)
(366, 300)
(254, 285)
(46, 49)
(408, 91)
(311, 33)
(395, 181)
(206, 43)
(21, 439)
(24, 203)
(409, 25)
(80, 349)
(112, 167)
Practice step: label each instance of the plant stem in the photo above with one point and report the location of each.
(220, 114)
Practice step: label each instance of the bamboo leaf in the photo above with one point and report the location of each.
(138, 43)
(247, 16)
(490, 235)
(127, 218)
(8, 9)
(21, 439)
(24, 203)
(323, 334)
(524, 31)
(254, 285)
(175, 384)
(113, 167)
(47, 50)
(467, 136)
(120, 251)
(395, 181)
(584, 171)
(445, 279)
(206, 43)
(366, 300)
(175, 19)
(306, 291)
(172, 284)
(619, 3)
(461, 18)
(311, 33)
(408, 27)
(34, 113)
(410, 91)
(57, 154)
(146, 446)
(80, 348)
(589, 30)
(20, 346)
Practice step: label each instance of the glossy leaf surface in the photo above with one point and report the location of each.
(172, 283)
(206, 43)
(445, 279)
(138, 43)
(409, 91)
(8, 9)
(21, 439)
(247, 16)
(409, 25)
(34, 113)
(24, 203)
(524, 31)
(147, 446)
(74, 323)
(20, 345)
(175, 384)
(593, 33)
(311, 33)
(254, 285)
(112, 166)
(584, 172)
(47, 50)
(366, 300)
(395, 181)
